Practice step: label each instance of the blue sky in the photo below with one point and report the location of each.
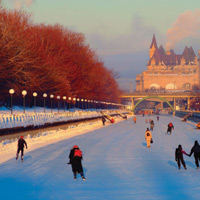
(120, 31)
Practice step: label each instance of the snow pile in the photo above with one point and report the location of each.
(30, 118)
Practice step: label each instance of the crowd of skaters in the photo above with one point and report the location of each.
(178, 151)
(75, 155)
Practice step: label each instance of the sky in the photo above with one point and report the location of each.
(120, 31)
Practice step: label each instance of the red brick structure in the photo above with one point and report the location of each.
(169, 71)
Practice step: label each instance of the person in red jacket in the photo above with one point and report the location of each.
(179, 156)
(75, 158)
(170, 127)
(20, 147)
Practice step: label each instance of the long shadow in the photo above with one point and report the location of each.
(28, 157)
(144, 144)
(191, 164)
(173, 164)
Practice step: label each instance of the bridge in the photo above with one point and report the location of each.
(159, 96)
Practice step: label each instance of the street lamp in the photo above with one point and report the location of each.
(64, 98)
(24, 93)
(78, 103)
(35, 95)
(58, 97)
(86, 104)
(11, 91)
(51, 96)
(82, 103)
(69, 98)
(44, 95)
(74, 99)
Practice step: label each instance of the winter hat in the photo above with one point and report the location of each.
(75, 146)
(196, 142)
(179, 146)
(22, 137)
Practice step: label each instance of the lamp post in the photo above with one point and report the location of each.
(74, 99)
(58, 97)
(78, 102)
(86, 104)
(82, 103)
(11, 91)
(34, 95)
(69, 98)
(64, 98)
(24, 93)
(51, 96)
(44, 95)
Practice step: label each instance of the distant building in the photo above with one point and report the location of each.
(169, 71)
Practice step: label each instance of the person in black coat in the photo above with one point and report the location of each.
(151, 125)
(103, 121)
(179, 156)
(170, 127)
(20, 147)
(196, 150)
(75, 158)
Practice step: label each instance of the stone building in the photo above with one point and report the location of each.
(168, 71)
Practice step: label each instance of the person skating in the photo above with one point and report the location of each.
(179, 156)
(75, 158)
(148, 137)
(157, 118)
(196, 150)
(170, 127)
(103, 121)
(151, 125)
(134, 119)
(20, 147)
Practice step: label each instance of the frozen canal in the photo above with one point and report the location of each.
(116, 163)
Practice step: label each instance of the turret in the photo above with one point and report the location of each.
(153, 47)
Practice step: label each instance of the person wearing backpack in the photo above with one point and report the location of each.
(148, 137)
(170, 127)
(179, 156)
(75, 158)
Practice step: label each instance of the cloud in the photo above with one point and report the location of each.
(18, 4)
(186, 25)
(137, 39)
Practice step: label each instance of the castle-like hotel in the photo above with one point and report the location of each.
(169, 71)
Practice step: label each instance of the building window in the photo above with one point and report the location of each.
(186, 86)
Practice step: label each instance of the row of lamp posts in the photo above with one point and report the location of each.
(24, 93)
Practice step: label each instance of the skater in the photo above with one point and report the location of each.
(170, 127)
(146, 121)
(134, 119)
(148, 137)
(196, 150)
(157, 118)
(179, 156)
(75, 158)
(103, 121)
(20, 147)
(151, 125)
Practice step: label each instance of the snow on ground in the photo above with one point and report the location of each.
(116, 163)
(32, 118)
